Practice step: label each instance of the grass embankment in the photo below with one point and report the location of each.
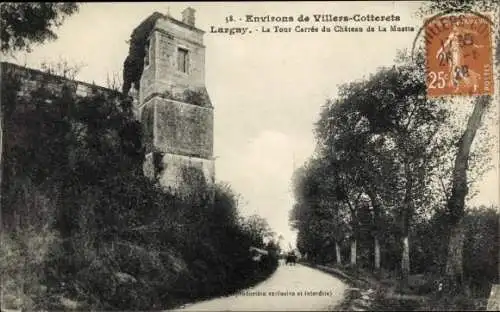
(382, 292)
(27, 282)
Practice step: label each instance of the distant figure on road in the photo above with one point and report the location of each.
(291, 258)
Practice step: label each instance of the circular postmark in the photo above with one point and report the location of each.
(458, 54)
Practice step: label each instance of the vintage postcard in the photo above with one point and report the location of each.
(250, 156)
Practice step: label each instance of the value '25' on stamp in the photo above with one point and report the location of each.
(459, 55)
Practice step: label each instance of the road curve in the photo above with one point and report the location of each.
(281, 292)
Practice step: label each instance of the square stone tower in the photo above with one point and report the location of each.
(173, 103)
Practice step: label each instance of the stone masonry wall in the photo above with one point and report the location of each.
(163, 76)
(170, 172)
(183, 129)
(175, 108)
(170, 36)
(178, 128)
(174, 164)
(32, 79)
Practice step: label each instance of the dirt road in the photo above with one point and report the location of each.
(290, 288)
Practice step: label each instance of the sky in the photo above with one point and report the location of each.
(267, 88)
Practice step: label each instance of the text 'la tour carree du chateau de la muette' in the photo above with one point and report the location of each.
(314, 23)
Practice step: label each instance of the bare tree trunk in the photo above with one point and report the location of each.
(1, 145)
(355, 227)
(405, 259)
(406, 215)
(456, 202)
(377, 254)
(353, 251)
(337, 253)
(376, 222)
(405, 253)
(454, 263)
(1, 175)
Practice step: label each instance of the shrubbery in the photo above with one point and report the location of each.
(428, 251)
(112, 238)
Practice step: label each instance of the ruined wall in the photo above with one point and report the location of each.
(173, 165)
(34, 125)
(169, 171)
(32, 79)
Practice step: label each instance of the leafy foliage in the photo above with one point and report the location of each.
(125, 243)
(134, 63)
(455, 207)
(383, 139)
(26, 23)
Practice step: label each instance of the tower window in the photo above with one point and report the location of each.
(182, 60)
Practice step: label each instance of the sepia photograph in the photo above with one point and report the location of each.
(250, 156)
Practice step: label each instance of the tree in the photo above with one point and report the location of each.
(383, 131)
(456, 201)
(455, 207)
(258, 229)
(27, 23)
(61, 68)
(345, 137)
(321, 217)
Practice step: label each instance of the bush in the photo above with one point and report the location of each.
(170, 253)
(480, 248)
(108, 236)
(22, 267)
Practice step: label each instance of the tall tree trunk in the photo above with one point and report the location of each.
(1, 155)
(354, 239)
(355, 228)
(405, 253)
(405, 243)
(405, 259)
(1, 141)
(353, 251)
(376, 225)
(454, 263)
(377, 253)
(456, 201)
(1, 170)
(337, 253)
(406, 215)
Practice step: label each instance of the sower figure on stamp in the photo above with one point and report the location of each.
(451, 52)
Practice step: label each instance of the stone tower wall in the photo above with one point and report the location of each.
(174, 106)
(161, 75)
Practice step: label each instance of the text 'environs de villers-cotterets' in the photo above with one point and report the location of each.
(249, 18)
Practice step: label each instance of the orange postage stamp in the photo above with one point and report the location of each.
(459, 55)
